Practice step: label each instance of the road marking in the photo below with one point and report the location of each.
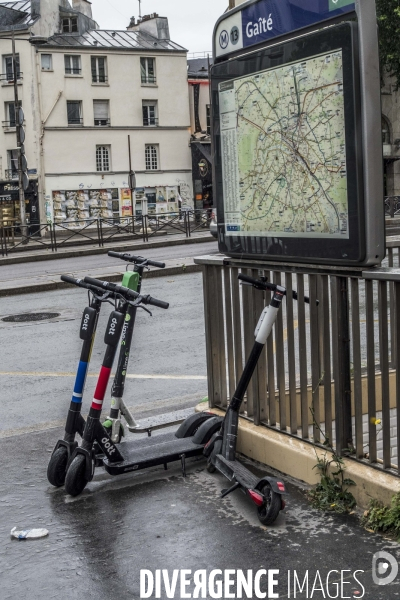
(133, 376)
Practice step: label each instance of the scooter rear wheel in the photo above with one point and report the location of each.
(57, 467)
(269, 511)
(75, 481)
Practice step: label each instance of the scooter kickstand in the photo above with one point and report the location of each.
(230, 490)
(183, 463)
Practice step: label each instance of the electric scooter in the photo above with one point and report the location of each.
(113, 423)
(81, 467)
(188, 441)
(57, 467)
(266, 493)
(75, 423)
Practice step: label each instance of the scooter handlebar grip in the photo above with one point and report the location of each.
(154, 263)
(155, 302)
(105, 285)
(248, 279)
(120, 255)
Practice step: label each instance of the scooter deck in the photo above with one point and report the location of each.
(153, 451)
(234, 470)
(161, 421)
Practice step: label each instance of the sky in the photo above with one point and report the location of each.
(191, 23)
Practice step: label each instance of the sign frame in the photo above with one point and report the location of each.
(371, 209)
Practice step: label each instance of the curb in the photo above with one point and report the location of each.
(121, 247)
(114, 277)
(297, 458)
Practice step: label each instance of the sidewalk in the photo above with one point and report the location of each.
(46, 283)
(92, 249)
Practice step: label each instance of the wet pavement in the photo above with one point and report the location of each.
(99, 542)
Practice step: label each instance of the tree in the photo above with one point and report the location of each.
(388, 12)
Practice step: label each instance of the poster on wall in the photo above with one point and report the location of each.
(173, 198)
(126, 202)
(75, 208)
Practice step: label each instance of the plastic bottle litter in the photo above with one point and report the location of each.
(29, 534)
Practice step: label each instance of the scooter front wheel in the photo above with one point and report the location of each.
(76, 481)
(57, 467)
(210, 467)
(269, 511)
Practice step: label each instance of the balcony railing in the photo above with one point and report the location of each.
(75, 121)
(11, 174)
(72, 71)
(99, 78)
(102, 122)
(150, 122)
(9, 77)
(8, 124)
(149, 79)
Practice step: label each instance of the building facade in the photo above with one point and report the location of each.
(83, 91)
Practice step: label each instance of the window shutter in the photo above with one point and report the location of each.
(100, 108)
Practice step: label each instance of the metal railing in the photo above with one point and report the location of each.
(11, 174)
(150, 122)
(99, 78)
(8, 124)
(73, 71)
(329, 371)
(97, 231)
(73, 121)
(102, 122)
(9, 77)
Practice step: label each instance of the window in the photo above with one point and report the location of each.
(46, 62)
(10, 114)
(9, 68)
(103, 158)
(150, 113)
(74, 112)
(12, 162)
(101, 112)
(99, 64)
(147, 70)
(208, 117)
(151, 158)
(385, 131)
(69, 25)
(72, 64)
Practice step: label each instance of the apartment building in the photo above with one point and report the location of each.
(83, 91)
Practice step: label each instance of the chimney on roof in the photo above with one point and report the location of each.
(83, 6)
(35, 8)
(132, 25)
(155, 26)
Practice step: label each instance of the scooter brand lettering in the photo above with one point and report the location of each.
(108, 446)
(113, 326)
(85, 323)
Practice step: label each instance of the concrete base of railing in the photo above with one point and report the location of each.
(297, 458)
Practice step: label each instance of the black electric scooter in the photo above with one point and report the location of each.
(113, 423)
(266, 493)
(80, 469)
(189, 440)
(75, 424)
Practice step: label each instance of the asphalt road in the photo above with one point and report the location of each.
(38, 367)
(87, 263)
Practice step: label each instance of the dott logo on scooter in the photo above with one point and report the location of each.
(108, 446)
(114, 328)
(88, 323)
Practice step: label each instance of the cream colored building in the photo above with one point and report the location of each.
(83, 91)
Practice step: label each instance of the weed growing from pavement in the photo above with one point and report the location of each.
(384, 519)
(331, 493)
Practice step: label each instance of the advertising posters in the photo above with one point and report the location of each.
(126, 202)
(75, 207)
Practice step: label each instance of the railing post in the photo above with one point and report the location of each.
(391, 206)
(344, 434)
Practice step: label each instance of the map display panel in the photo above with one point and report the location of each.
(283, 151)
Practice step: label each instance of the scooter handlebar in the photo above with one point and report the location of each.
(81, 283)
(136, 259)
(264, 285)
(127, 293)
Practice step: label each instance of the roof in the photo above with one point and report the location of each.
(23, 6)
(198, 67)
(101, 38)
